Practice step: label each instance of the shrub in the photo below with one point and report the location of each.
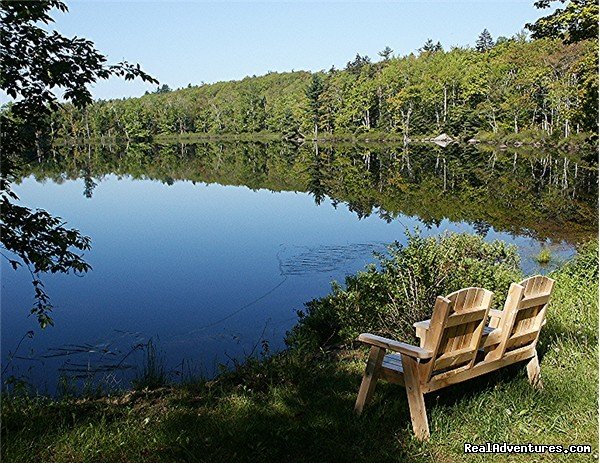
(544, 256)
(389, 297)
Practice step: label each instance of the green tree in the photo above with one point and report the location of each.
(164, 88)
(577, 21)
(484, 41)
(430, 47)
(386, 53)
(355, 67)
(35, 65)
(313, 94)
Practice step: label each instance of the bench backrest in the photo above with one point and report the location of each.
(455, 331)
(523, 315)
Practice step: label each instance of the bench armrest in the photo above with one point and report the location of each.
(396, 346)
(424, 324)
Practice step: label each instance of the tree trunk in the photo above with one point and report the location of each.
(445, 103)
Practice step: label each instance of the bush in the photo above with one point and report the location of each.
(584, 266)
(544, 256)
(388, 298)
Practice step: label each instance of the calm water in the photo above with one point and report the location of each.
(211, 249)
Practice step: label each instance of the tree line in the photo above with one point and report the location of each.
(512, 85)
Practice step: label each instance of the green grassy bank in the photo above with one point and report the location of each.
(297, 406)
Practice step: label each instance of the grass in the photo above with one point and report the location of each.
(297, 407)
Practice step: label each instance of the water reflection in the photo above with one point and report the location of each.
(525, 191)
(191, 245)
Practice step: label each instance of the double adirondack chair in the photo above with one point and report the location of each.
(463, 339)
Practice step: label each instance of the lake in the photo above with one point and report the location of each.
(208, 250)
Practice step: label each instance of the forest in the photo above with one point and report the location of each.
(537, 88)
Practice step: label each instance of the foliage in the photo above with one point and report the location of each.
(484, 41)
(402, 291)
(386, 53)
(585, 264)
(544, 256)
(313, 94)
(577, 21)
(430, 47)
(542, 87)
(35, 65)
(299, 408)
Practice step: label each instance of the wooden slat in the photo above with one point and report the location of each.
(537, 285)
(524, 319)
(465, 317)
(455, 332)
(393, 361)
(522, 339)
(456, 376)
(534, 301)
(464, 356)
(478, 333)
(515, 294)
(491, 336)
(462, 330)
(436, 329)
(424, 325)
(454, 353)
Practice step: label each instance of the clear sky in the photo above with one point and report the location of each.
(194, 41)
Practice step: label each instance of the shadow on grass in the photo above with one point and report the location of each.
(310, 420)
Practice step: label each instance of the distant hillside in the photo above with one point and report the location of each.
(512, 86)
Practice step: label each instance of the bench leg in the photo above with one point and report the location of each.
(416, 399)
(533, 372)
(369, 380)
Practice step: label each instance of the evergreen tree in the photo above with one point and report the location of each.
(386, 53)
(430, 47)
(354, 67)
(313, 93)
(484, 41)
(164, 88)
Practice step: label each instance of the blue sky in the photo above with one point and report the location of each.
(195, 41)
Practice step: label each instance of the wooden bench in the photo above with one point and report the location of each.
(463, 339)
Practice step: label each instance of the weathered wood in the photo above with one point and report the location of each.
(396, 346)
(523, 315)
(422, 328)
(534, 301)
(452, 339)
(466, 317)
(392, 376)
(436, 329)
(369, 380)
(518, 340)
(495, 317)
(515, 294)
(454, 358)
(458, 343)
(446, 379)
(416, 399)
(534, 373)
